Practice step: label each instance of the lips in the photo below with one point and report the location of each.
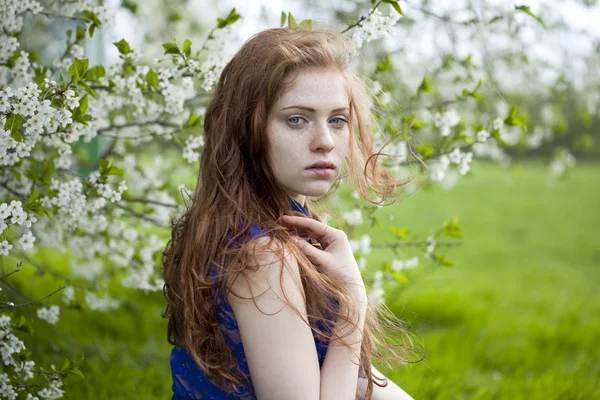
(322, 165)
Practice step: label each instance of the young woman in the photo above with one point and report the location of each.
(264, 300)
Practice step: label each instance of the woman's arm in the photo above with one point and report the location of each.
(339, 372)
(278, 344)
(280, 347)
(390, 392)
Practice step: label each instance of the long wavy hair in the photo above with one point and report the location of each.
(236, 188)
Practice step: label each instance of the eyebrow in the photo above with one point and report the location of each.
(313, 110)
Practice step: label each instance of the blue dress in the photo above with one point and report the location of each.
(190, 382)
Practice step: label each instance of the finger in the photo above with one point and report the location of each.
(312, 253)
(319, 230)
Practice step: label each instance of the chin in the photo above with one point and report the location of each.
(316, 190)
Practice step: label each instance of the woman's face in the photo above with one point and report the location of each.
(309, 124)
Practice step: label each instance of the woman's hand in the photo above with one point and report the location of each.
(336, 257)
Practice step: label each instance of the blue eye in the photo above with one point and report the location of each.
(338, 121)
(295, 120)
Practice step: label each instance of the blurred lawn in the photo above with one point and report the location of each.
(519, 316)
(516, 318)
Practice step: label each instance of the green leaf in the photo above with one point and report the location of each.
(400, 277)
(152, 78)
(88, 89)
(528, 11)
(24, 326)
(396, 7)
(13, 123)
(104, 166)
(384, 64)
(75, 371)
(425, 149)
(130, 5)
(496, 18)
(283, 18)
(47, 171)
(229, 20)
(306, 24)
(80, 33)
(171, 48)
(32, 198)
(417, 125)
(90, 17)
(401, 233)
(443, 260)
(514, 118)
(474, 93)
(16, 174)
(451, 228)
(78, 69)
(83, 104)
(291, 20)
(186, 47)
(123, 46)
(425, 85)
(95, 73)
(192, 119)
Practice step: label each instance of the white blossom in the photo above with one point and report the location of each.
(446, 121)
(49, 314)
(374, 26)
(363, 245)
(398, 265)
(482, 135)
(68, 294)
(27, 240)
(353, 217)
(431, 244)
(5, 247)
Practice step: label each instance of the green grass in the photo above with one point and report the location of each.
(516, 318)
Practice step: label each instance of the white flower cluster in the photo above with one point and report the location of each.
(376, 294)
(399, 265)
(109, 193)
(10, 344)
(362, 246)
(52, 391)
(27, 103)
(49, 314)
(211, 68)
(23, 370)
(353, 217)
(192, 143)
(374, 26)
(141, 278)
(11, 19)
(491, 149)
(463, 160)
(482, 135)
(17, 216)
(562, 160)
(68, 294)
(446, 121)
(431, 245)
(101, 303)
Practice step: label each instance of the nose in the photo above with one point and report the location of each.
(322, 139)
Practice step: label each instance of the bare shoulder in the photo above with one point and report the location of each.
(278, 341)
(273, 272)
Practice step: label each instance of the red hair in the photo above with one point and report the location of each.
(236, 187)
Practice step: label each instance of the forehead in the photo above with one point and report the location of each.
(315, 88)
